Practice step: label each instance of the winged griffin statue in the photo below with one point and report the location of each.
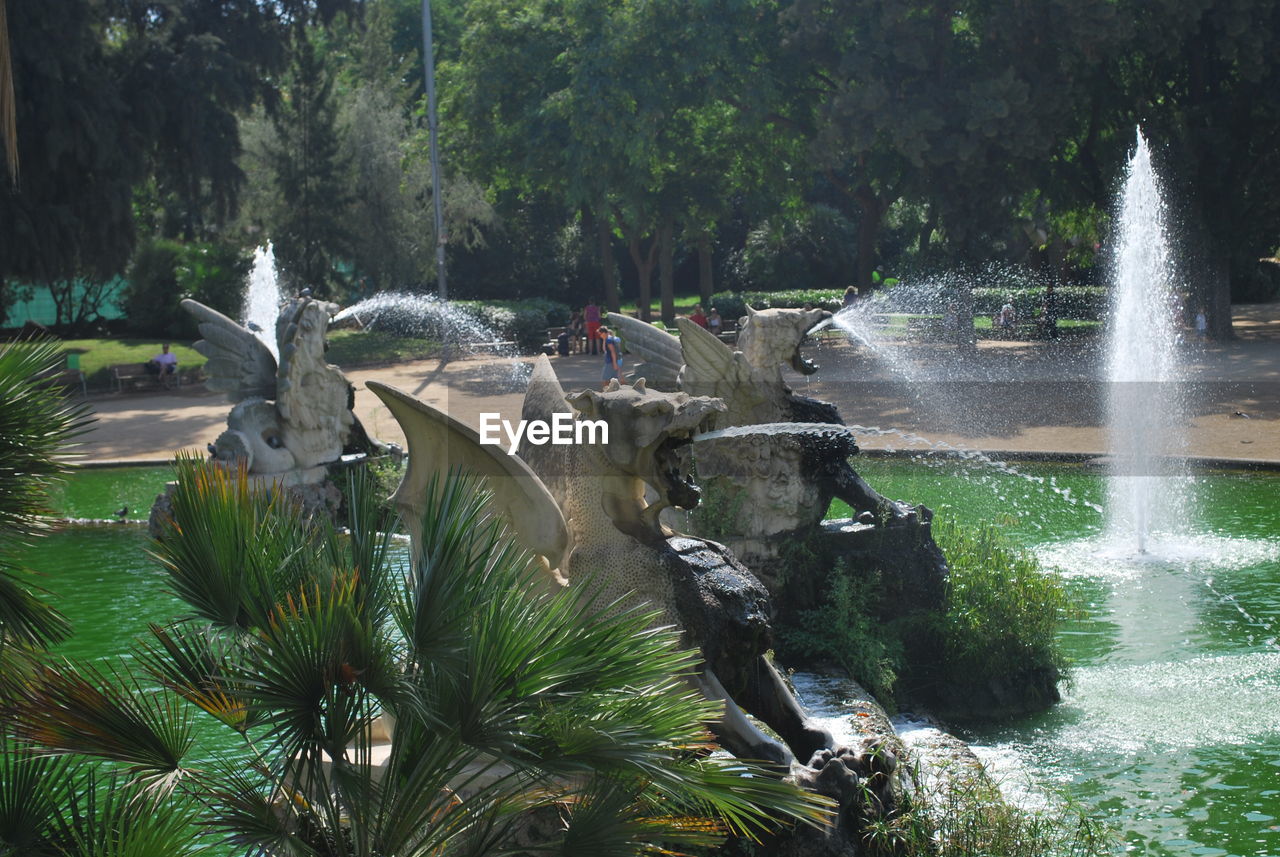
(779, 478)
(288, 415)
(591, 512)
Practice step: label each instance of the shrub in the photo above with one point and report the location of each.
(998, 631)
(734, 304)
(164, 272)
(525, 322)
(151, 299)
(1078, 302)
(970, 816)
(816, 247)
(844, 630)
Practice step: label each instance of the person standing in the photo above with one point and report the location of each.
(612, 347)
(576, 332)
(697, 317)
(591, 315)
(1202, 324)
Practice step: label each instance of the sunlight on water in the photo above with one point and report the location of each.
(1111, 556)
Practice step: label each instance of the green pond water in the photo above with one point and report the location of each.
(1170, 730)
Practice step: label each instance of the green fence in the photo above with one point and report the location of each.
(41, 309)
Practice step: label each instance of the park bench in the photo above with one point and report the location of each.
(925, 328)
(135, 376)
(67, 379)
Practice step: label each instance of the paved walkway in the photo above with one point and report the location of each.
(1017, 397)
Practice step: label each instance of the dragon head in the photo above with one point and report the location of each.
(300, 332)
(649, 437)
(771, 337)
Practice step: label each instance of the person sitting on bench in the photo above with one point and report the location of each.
(164, 365)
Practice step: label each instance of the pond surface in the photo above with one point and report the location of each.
(1171, 729)
(99, 492)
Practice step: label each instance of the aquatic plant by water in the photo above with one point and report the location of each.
(971, 817)
(995, 645)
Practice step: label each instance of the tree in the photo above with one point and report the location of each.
(310, 229)
(505, 700)
(952, 105)
(594, 105)
(111, 94)
(8, 118)
(1203, 80)
(36, 427)
(71, 214)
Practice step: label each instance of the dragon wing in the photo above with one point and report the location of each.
(657, 350)
(239, 364)
(438, 442)
(711, 368)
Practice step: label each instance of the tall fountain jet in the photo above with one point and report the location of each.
(261, 303)
(1142, 364)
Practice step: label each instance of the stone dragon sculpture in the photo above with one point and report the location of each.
(755, 471)
(289, 415)
(591, 511)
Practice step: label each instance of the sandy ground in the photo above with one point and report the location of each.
(1015, 397)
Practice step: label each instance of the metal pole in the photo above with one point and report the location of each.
(429, 63)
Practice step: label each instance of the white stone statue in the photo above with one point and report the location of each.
(290, 416)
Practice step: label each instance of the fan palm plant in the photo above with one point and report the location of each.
(36, 427)
(522, 721)
(49, 806)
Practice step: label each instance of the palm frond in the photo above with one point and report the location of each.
(232, 550)
(37, 427)
(24, 618)
(114, 818)
(102, 713)
(319, 669)
(368, 548)
(30, 808)
(198, 665)
(250, 812)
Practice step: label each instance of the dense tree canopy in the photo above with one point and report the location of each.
(759, 143)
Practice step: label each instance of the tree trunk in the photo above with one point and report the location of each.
(666, 273)
(706, 276)
(873, 209)
(1216, 295)
(604, 242)
(1212, 281)
(644, 261)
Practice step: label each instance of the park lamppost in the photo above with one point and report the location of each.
(429, 63)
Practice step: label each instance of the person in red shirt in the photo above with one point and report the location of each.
(591, 315)
(697, 317)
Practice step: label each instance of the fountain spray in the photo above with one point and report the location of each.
(1142, 361)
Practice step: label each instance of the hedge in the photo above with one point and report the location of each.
(525, 322)
(1078, 302)
(1073, 302)
(734, 304)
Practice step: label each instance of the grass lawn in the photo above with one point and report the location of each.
(97, 356)
(346, 348)
(684, 305)
(364, 347)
